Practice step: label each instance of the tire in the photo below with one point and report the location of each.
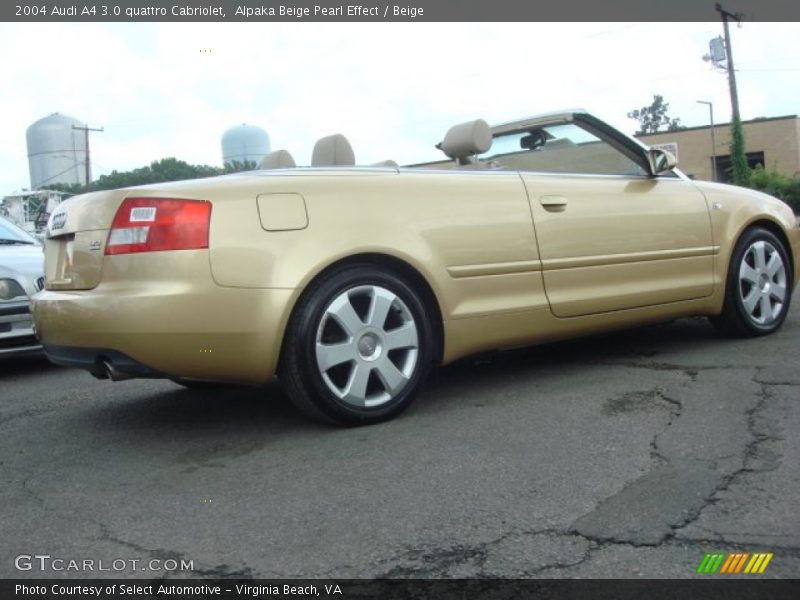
(758, 288)
(358, 347)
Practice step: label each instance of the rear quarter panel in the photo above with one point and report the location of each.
(435, 223)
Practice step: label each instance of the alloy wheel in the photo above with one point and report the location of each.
(762, 283)
(367, 346)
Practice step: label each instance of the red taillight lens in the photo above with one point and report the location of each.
(155, 224)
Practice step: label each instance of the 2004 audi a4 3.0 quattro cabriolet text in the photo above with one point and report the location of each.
(348, 283)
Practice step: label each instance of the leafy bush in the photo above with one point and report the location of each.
(777, 184)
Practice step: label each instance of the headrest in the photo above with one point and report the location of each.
(277, 159)
(466, 139)
(332, 150)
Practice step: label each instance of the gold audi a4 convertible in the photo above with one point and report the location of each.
(348, 283)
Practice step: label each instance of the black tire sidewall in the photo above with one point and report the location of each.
(733, 292)
(312, 312)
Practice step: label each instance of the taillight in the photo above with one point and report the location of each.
(155, 224)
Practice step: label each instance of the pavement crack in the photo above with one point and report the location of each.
(676, 408)
(753, 457)
(221, 571)
(692, 372)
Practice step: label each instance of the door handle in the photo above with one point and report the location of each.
(553, 201)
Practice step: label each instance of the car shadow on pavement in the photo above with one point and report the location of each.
(653, 343)
(177, 411)
(170, 409)
(31, 364)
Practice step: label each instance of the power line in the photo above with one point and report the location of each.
(86, 129)
(767, 70)
(67, 170)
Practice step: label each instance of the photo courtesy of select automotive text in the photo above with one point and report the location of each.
(399, 300)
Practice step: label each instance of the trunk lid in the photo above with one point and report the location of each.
(76, 239)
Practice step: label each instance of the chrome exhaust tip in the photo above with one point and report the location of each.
(113, 374)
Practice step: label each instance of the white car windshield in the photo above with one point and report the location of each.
(11, 234)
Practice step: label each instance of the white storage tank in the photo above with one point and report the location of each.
(244, 143)
(56, 151)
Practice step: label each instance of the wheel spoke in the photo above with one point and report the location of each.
(748, 274)
(766, 309)
(330, 355)
(759, 255)
(402, 337)
(775, 265)
(391, 377)
(341, 310)
(356, 390)
(751, 300)
(778, 292)
(379, 309)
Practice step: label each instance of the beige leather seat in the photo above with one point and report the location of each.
(277, 159)
(466, 140)
(332, 150)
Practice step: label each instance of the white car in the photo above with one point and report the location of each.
(21, 276)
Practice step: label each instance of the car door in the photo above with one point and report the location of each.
(611, 237)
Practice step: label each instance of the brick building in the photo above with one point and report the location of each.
(772, 142)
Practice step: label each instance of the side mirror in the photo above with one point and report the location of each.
(661, 161)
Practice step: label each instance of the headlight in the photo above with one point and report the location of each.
(9, 289)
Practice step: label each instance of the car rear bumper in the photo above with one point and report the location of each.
(170, 329)
(100, 362)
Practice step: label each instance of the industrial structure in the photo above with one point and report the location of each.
(244, 143)
(30, 210)
(56, 151)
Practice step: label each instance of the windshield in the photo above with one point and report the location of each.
(11, 234)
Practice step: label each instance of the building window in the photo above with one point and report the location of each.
(724, 164)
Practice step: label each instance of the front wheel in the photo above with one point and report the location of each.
(358, 347)
(758, 289)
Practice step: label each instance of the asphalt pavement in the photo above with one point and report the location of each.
(626, 455)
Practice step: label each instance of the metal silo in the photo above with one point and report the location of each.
(244, 143)
(56, 151)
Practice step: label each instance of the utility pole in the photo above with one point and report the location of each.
(729, 53)
(86, 131)
(740, 170)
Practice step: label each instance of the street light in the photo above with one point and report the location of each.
(713, 139)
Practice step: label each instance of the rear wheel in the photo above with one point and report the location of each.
(758, 289)
(357, 348)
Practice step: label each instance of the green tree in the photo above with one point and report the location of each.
(166, 169)
(159, 171)
(777, 184)
(237, 166)
(654, 116)
(68, 188)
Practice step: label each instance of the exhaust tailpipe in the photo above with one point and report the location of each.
(115, 375)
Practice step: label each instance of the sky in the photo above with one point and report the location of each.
(172, 89)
